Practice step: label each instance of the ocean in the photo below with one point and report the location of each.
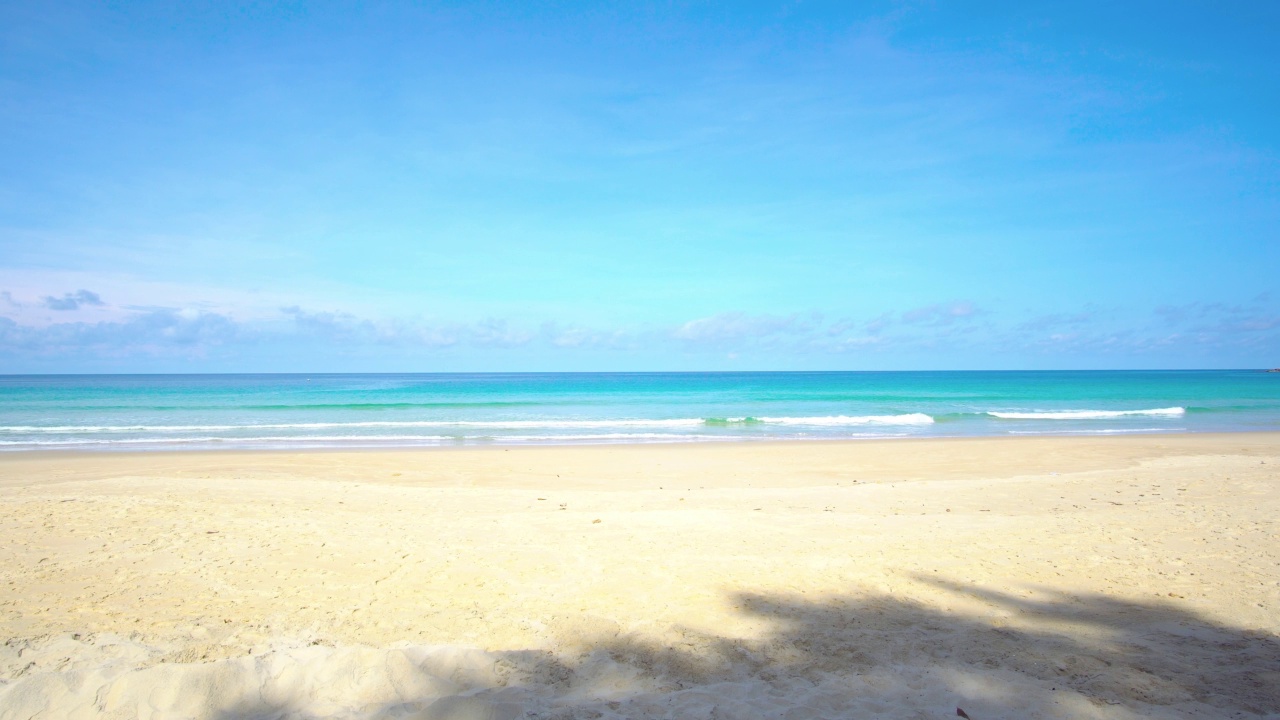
(150, 412)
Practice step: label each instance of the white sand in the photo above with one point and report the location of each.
(1015, 578)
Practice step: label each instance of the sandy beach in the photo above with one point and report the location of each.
(1087, 577)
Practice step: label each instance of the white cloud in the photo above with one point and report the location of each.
(294, 331)
(941, 313)
(577, 336)
(73, 301)
(148, 333)
(731, 327)
(497, 333)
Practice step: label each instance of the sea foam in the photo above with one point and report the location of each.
(549, 424)
(840, 420)
(1088, 414)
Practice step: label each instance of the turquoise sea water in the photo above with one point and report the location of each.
(146, 412)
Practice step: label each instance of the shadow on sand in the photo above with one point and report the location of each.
(879, 656)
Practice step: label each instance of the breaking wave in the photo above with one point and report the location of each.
(675, 423)
(1088, 414)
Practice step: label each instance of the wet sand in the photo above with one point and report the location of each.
(1108, 577)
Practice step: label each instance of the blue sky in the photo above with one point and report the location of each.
(560, 186)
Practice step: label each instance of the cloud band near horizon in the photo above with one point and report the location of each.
(79, 328)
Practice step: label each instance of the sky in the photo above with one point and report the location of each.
(364, 187)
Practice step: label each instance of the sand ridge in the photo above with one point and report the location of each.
(1032, 577)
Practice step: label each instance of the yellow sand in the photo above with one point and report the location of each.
(1115, 577)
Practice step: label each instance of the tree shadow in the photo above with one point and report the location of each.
(1056, 655)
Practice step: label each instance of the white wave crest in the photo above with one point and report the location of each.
(288, 441)
(228, 440)
(628, 437)
(841, 420)
(1099, 431)
(1088, 414)
(672, 423)
(494, 424)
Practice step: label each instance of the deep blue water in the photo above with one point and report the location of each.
(283, 411)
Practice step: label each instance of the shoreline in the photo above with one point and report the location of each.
(1097, 576)
(964, 457)
(233, 445)
(660, 444)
